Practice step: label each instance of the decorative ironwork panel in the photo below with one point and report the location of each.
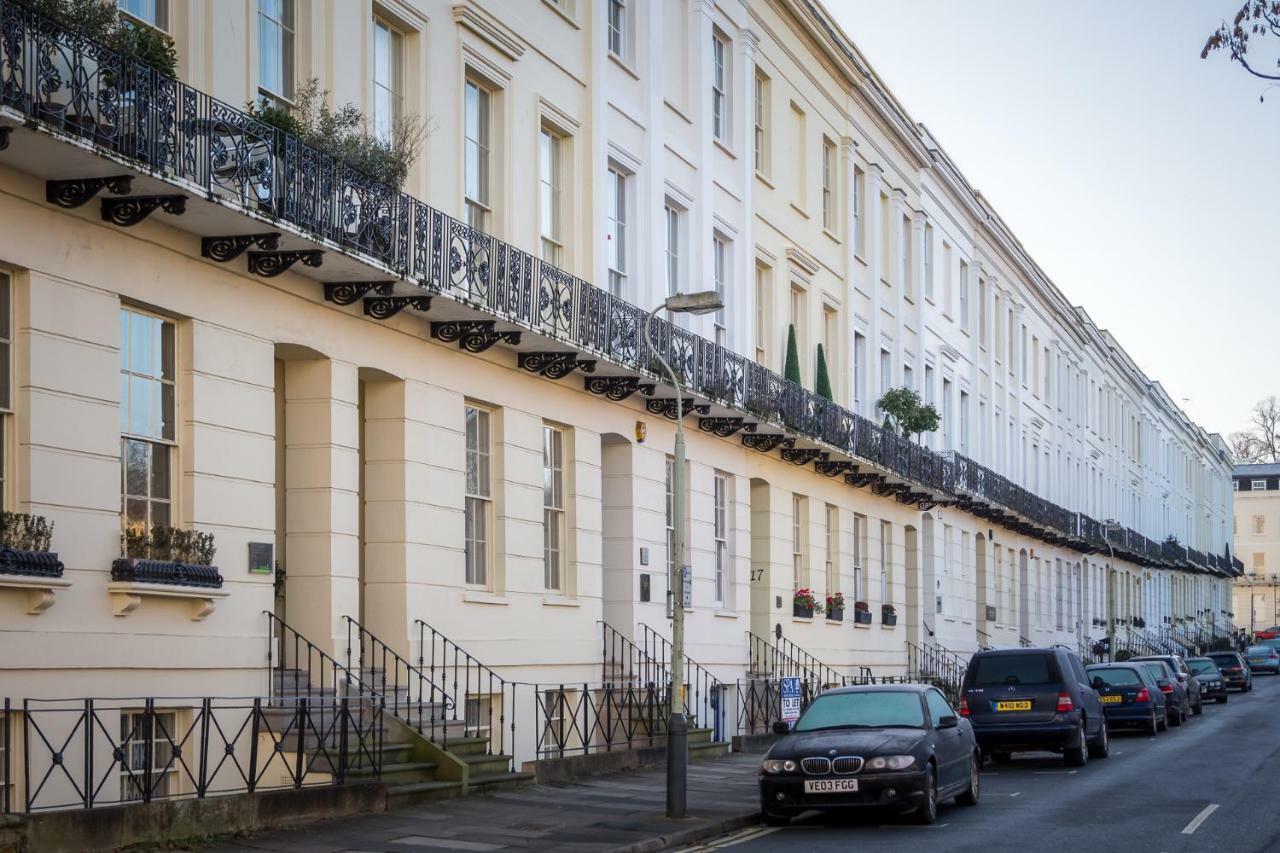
(553, 306)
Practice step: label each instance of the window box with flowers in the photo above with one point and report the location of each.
(835, 607)
(165, 562)
(804, 605)
(26, 563)
(861, 613)
(888, 615)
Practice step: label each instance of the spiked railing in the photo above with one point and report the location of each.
(477, 692)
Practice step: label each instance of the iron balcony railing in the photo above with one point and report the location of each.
(162, 127)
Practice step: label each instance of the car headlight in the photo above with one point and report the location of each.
(890, 762)
(773, 766)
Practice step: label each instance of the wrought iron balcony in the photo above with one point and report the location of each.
(199, 149)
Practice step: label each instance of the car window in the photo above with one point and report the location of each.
(870, 709)
(1077, 671)
(1204, 667)
(1115, 676)
(1260, 651)
(1013, 669)
(938, 706)
(1158, 669)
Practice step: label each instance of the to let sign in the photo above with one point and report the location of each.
(789, 690)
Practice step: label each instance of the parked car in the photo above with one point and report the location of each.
(1235, 670)
(1175, 693)
(1130, 696)
(899, 745)
(1271, 644)
(1212, 683)
(1034, 699)
(1185, 676)
(1263, 659)
(1268, 633)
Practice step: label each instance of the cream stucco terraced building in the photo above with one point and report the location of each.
(1257, 530)
(512, 493)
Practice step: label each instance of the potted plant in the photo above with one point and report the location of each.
(861, 613)
(835, 607)
(167, 555)
(803, 604)
(888, 615)
(25, 540)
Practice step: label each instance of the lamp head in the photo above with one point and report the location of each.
(702, 302)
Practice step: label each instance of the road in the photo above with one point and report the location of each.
(1208, 786)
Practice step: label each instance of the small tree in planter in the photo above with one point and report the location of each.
(888, 615)
(167, 555)
(25, 541)
(804, 604)
(861, 613)
(835, 607)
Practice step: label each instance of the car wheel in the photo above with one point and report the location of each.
(1222, 700)
(1153, 725)
(771, 819)
(970, 797)
(1101, 747)
(1078, 755)
(1163, 722)
(927, 811)
(1177, 718)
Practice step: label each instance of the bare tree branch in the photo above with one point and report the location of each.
(1261, 441)
(1255, 18)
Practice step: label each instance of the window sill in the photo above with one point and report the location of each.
(884, 627)
(622, 63)
(764, 179)
(726, 614)
(861, 627)
(800, 210)
(803, 620)
(831, 235)
(552, 600)
(724, 146)
(482, 596)
(40, 590)
(126, 597)
(562, 13)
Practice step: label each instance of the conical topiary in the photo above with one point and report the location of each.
(791, 367)
(821, 381)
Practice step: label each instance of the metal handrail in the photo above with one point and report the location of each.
(410, 695)
(289, 651)
(472, 686)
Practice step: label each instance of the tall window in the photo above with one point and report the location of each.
(720, 87)
(6, 366)
(762, 122)
(147, 423)
(831, 343)
(479, 498)
(764, 295)
(886, 548)
(388, 78)
(549, 170)
(553, 527)
(982, 311)
(720, 258)
(672, 216)
(860, 398)
(721, 524)
(886, 371)
(964, 296)
(797, 542)
(618, 28)
(153, 13)
(146, 742)
(904, 256)
(928, 261)
(616, 209)
(828, 184)
(964, 422)
(275, 48)
(477, 121)
(1259, 524)
(833, 550)
(859, 554)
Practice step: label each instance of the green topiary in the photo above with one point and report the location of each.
(791, 367)
(821, 381)
(904, 413)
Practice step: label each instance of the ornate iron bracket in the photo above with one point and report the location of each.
(884, 489)
(803, 455)
(131, 210)
(4, 137)
(385, 307)
(667, 407)
(861, 479)
(926, 505)
(271, 264)
(910, 497)
(554, 365)
(834, 469)
(767, 441)
(617, 388)
(349, 292)
(223, 249)
(472, 335)
(78, 191)
(725, 427)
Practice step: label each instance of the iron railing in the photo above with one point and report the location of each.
(167, 129)
(93, 752)
(477, 692)
(298, 667)
(703, 692)
(759, 702)
(933, 664)
(787, 660)
(580, 719)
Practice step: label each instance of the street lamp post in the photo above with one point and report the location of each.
(1111, 593)
(703, 302)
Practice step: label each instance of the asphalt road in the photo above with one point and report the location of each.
(1208, 786)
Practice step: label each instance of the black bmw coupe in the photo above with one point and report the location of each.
(893, 745)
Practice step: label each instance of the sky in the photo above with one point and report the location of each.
(1144, 180)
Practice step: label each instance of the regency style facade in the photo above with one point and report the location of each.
(433, 412)
(1257, 533)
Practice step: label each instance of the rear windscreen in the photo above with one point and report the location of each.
(1157, 670)
(1014, 669)
(1116, 676)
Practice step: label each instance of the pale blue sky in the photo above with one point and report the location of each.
(1144, 180)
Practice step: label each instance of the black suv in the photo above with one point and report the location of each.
(1034, 699)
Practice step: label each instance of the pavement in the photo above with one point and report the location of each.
(618, 812)
(1205, 787)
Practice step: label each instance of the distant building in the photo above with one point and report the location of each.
(1257, 528)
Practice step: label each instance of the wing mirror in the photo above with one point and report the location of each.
(781, 727)
(1182, 676)
(950, 721)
